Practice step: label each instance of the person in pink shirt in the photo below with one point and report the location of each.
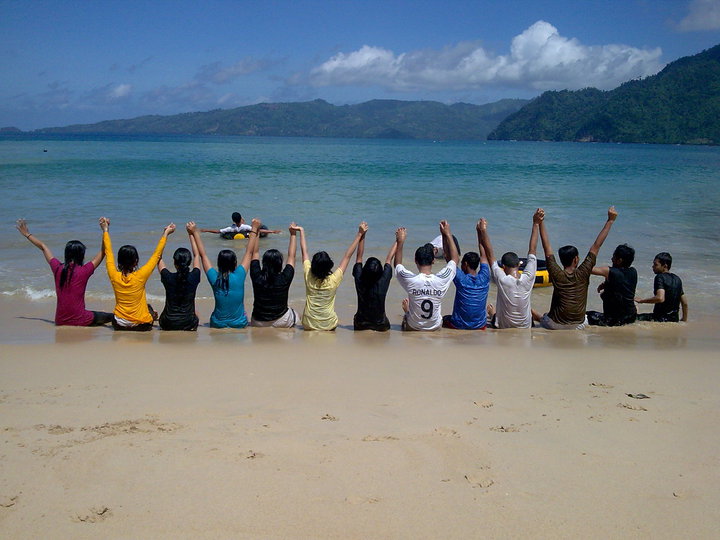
(71, 278)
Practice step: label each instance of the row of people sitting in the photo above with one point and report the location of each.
(271, 282)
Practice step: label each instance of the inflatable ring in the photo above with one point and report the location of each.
(239, 236)
(542, 276)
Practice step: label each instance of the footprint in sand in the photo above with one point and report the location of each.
(601, 385)
(631, 407)
(361, 500)
(484, 404)
(253, 455)
(479, 481)
(330, 417)
(379, 438)
(54, 429)
(512, 428)
(8, 502)
(95, 515)
(446, 432)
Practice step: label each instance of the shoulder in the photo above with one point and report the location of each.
(55, 263)
(357, 269)
(402, 272)
(289, 271)
(449, 271)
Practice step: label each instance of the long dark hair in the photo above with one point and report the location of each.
(74, 256)
(371, 272)
(127, 259)
(321, 265)
(272, 262)
(182, 259)
(226, 262)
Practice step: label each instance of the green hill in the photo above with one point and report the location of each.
(373, 119)
(679, 105)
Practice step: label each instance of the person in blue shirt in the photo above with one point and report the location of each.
(228, 280)
(472, 283)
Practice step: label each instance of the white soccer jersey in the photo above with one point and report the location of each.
(425, 292)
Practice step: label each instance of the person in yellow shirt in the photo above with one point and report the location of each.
(321, 283)
(132, 312)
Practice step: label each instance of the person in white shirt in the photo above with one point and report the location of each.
(513, 288)
(425, 290)
(239, 227)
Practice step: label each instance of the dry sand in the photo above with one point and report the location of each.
(289, 434)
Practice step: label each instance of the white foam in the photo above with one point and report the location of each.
(32, 294)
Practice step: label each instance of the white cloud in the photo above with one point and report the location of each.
(703, 15)
(540, 59)
(120, 91)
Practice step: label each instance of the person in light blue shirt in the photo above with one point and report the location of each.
(472, 283)
(228, 280)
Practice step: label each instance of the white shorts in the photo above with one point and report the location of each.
(286, 321)
(547, 323)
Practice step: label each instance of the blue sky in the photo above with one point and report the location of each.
(65, 62)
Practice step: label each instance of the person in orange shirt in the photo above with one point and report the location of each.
(132, 312)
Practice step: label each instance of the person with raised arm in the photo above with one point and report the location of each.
(239, 227)
(71, 279)
(571, 281)
(271, 285)
(425, 290)
(472, 284)
(228, 281)
(321, 283)
(372, 281)
(514, 289)
(617, 291)
(132, 312)
(180, 287)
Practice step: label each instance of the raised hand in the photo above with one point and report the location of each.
(538, 216)
(481, 225)
(169, 229)
(401, 234)
(21, 225)
(363, 228)
(190, 227)
(612, 214)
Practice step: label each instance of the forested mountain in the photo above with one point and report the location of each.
(373, 119)
(679, 105)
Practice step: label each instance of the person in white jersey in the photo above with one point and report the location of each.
(425, 289)
(513, 288)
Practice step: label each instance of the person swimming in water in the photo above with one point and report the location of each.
(239, 227)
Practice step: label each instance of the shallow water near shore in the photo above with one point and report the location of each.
(668, 198)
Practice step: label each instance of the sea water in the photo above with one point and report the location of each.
(668, 198)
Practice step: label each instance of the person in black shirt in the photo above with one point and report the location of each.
(180, 288)
(617, 291)
(271, 285)
(669, 294)
(371, 284)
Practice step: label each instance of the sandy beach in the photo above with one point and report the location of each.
(263, 433)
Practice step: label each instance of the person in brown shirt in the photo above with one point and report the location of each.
(571, 282)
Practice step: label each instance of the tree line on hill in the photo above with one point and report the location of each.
(679, 105)
(372, 119)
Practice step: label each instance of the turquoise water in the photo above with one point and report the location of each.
(668, 197)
